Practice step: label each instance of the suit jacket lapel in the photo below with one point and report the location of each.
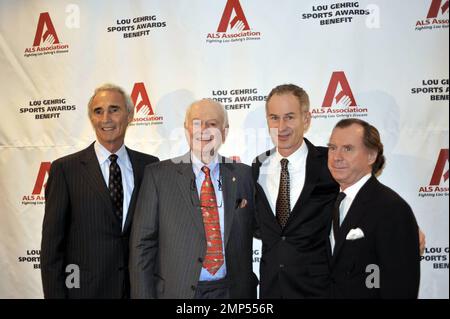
(95, 178)
(354, 215)
(311, 175)
(229, 187)
(188, 190)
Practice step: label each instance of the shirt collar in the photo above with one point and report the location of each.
(352, 191)
(296, 159)
(198, 164)
(103, 155)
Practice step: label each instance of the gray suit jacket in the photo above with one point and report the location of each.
(167, 243)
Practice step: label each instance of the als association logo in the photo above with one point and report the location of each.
(46, 39)
(437, 16)
(37, 195)
(144, 113)
(339, 100)
(437, 7)
(438, 185)
(238, 22)
(233, 26)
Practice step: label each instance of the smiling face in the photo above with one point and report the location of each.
(287, 122)
(348, 158)
(205, 129)
(110, 118)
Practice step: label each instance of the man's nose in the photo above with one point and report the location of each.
(199, 127)
(282, 125)
(337, 155)
(106, 116)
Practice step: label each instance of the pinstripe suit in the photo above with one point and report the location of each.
(80, 228)
(167, 243)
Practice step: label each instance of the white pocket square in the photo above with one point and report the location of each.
(355, 233)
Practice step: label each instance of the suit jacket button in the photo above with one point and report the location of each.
(281, 266)
(193, 287)
(283, 238)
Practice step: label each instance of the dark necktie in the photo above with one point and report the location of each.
(336, 214)
(210, 212)
(283, 205)
(115, 186)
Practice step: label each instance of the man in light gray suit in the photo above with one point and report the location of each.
(194, 220)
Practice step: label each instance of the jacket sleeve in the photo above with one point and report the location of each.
(53, 244)
(144, 240)
(397, 247)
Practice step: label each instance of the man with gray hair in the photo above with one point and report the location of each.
(90, 197)
(194, 220)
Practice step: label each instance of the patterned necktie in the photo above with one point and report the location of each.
(210, 212)
(115, 186)
(283, 205)
(336, 214)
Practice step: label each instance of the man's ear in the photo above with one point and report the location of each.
(372, 157)
(130, 117)
(225, 133)
(307, 120)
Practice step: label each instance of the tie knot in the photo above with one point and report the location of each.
(205, 170)
(113, 158)
(340, 198)
(284, 164)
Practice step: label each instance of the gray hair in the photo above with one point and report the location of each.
(112, 87)
(211, 102)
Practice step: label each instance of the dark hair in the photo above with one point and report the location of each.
(371, 139)
(295, 90)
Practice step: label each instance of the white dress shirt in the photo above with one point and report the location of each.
(350, 194)
(126, 169)
(269, 175)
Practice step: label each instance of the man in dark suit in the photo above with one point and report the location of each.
(294, 196)
(90, 197)
(194, 220)
(374, 237)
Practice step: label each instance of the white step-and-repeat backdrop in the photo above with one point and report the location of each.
(390, 58)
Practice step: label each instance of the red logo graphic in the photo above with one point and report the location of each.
(49, 36)
(43, 171)
(140, 100)
(344, 96)
(239, 21)
(437, 5)
(439, 169)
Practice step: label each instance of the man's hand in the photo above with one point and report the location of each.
(144, 110)
(344, 102)
(238, 27)
(49, 40)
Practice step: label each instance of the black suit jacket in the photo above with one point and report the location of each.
(80, 228)
(390, 241)
(294, 261)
